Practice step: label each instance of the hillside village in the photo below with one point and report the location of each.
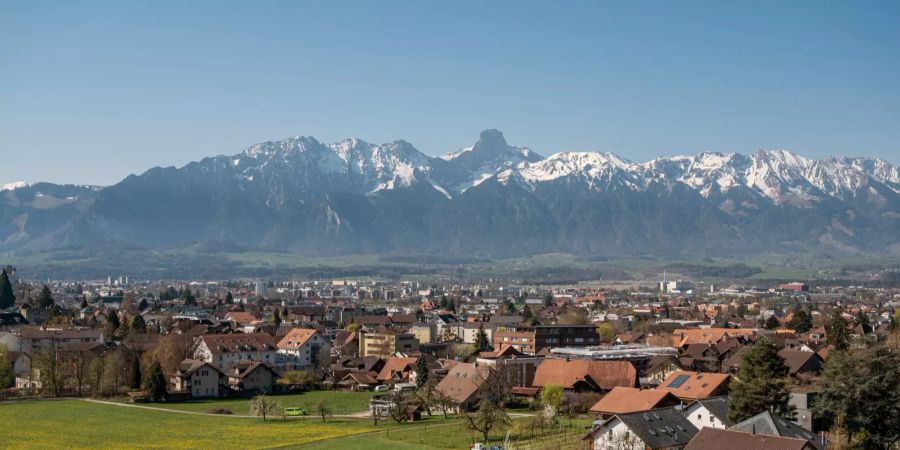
(671, 365)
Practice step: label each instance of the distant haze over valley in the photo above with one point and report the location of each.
(489, 200)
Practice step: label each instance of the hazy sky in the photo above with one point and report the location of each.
(93, 91)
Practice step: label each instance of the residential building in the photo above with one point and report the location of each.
(251, 376)
(583, 375)
(463, 382)
(709, 412)
(626, 400)
(690, 386)
(718, 439)
(771, 424)
(33, 340)
(226, 350)
(657, 429)
(302, 348)
(535, 338)
(387, 343)
(200, 378)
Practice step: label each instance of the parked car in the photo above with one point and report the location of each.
(382, 388)
(293, 411)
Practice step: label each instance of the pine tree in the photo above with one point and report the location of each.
(421, 372)
(761, 383)
(481, 340)
(276, 318)
(143, 304)
(801, 322)
(84, 303)
(837, 333)
(7, 297)
(188, 297)
(772, 322)
(229, 299)
(114, 320)
(155, 382)
(45, 298)
(527, 316)
(138, 324)
(136, 378)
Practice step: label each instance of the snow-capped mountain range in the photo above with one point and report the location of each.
(491, 198)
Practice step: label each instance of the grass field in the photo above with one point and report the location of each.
(80, 424)
(340, 402)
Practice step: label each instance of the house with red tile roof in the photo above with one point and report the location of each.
(226, 350)
(691, 386)
(302, 348)
(625, 400)
(584, 375)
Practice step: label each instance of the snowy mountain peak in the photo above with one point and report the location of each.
(13, 185)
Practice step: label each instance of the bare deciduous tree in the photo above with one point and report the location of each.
(263, 406)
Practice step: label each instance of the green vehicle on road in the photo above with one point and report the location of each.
(295, 412)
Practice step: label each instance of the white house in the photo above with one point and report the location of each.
(301, 348)
(200, 378)
(226, 350)
(656, 429)
(709, 413)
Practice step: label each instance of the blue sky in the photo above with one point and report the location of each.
(93, 91)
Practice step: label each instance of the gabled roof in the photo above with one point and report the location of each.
(605, 374)
(238, 342)
(623, 400)
(190, 366)
(796, 359)
(685, 336)
(463, 381)
(717, 406)
(718, 439)
(295, 338)
(241, 317)
(694, 385)
(505, 351)
(244, 368)
(775, 425)
(67, 333)
(658, 428)
(394, 366)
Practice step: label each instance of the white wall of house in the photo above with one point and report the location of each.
(259, 380)
(226, 360)
(307, 355)
(616, 436)
(470, 334)
(700, 417)
(202, 383)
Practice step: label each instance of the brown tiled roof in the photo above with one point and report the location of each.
(239, 342)
(244, 368)
(623, 400)
(67, 333)
(605, 374)
(395, 365)
(718, 439)
(295, 338)
(684, 336)
(189, 366)
(693, 385)
(463, 381)
(795, 359)
(241, 317)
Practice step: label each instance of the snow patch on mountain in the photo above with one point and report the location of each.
(13, 185)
